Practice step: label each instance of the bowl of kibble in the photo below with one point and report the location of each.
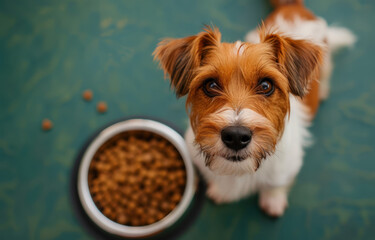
(135, 178)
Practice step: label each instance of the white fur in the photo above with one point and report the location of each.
(274, 200)
(277, 170)
(244, 117)
(238, 48)
(314, 31)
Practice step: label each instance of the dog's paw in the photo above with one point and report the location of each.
(213, 192)
(273, 202)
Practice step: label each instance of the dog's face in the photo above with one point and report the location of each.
(238, 93)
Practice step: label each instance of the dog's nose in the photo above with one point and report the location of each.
(236, 137)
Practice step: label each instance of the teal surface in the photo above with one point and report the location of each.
(50, 51)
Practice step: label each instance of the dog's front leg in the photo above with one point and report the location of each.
(273, 201)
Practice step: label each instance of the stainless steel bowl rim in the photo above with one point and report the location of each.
(83, 189)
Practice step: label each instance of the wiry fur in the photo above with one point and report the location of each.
(180, 57)
(277, 170)
(217, 155)
(285, 49)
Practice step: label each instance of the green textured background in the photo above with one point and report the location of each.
(50, 51)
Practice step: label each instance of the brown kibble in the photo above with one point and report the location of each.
(143, 199)
(139, 211)
(160, 215)
(148, 190)
(136, 178)
(152, 174)
(172, 177)
(132, 205)
(135, 196)
(181, 181)
(107, 211)
(147, 182)
(164, 205)
(135, 222)
(158, 195)
(150, 220)
(87, 95)
(98, 198)
(121, 218)
(117, 196)
(154, 203)
(163, 173)
(47, 124)
(176, 197)
(120, 177)
(101, 107)
(94, 189)
(132, 179)
(151, 212)
(172, 206)
(127, 191)
(180, 174)
(123, 201)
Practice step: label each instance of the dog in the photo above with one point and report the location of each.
(250, 103)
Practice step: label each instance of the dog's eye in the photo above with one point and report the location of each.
(265, 87)
(211, 88)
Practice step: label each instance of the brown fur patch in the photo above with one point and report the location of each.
(299, 60)
(289, 12)
(311, 99)
(180, 57)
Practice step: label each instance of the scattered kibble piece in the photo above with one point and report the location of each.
(101, 107)
(129, 185)
(46, 124)
(87, 95)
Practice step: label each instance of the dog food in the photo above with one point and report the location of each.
(46, 124)
(87, 95)
(137, 178)
(101, 107)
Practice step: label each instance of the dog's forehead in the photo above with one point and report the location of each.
(243, 58)
(233, 50)
(238, 48)
(244, 53)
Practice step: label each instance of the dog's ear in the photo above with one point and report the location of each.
(298, 60)
(179, 58)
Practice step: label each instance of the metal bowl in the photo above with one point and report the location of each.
(134, 231)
